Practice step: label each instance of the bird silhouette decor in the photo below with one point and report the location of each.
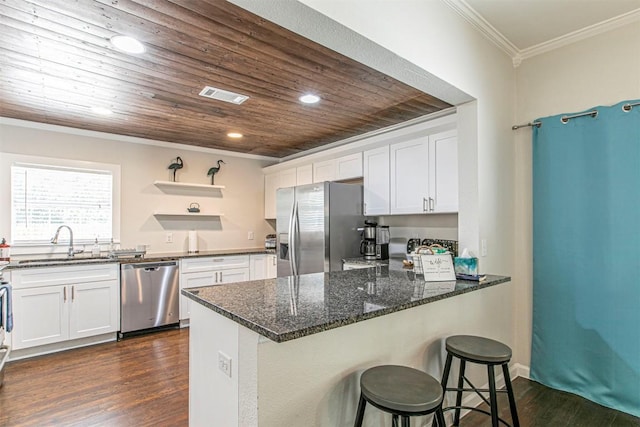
(214, 170)
(175, 165)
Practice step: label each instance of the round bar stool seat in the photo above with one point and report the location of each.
(401, 391)
(484, 351)
(478, 349)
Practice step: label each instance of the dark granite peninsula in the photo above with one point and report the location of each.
(297, 344)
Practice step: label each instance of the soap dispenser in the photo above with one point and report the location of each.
(95, 250)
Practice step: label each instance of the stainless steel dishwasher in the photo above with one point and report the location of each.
(149, 295)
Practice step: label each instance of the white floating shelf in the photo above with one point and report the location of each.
(188, 214)
(186, 185)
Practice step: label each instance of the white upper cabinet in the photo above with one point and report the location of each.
(273, 181)
(348, 167)
(287, 178)
(324, 171)
(443, 172)
(376, 181)
(341, 168)
(424, 174)
(271, 184)
(409, 176)
(304, 174)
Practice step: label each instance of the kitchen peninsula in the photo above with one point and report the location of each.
(289, 351)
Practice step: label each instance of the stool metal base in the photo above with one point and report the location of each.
(492, 401)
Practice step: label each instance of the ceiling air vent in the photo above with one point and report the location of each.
(223, 95)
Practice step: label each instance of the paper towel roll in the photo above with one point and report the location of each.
(193, 241)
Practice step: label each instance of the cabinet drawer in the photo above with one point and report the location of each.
(50, 276)
(192, 265)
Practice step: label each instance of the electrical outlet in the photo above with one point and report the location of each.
(169, 238)
(483, 247)
(250, 235)
(224, 363)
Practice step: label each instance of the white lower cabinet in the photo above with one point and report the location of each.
(272, 266)
(52, 305)
(207, 271)
(263, 266)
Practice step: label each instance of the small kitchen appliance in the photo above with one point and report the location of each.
(382, 242)
(270, 241)
(368, 243)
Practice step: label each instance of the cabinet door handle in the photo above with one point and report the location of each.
(65, 293)
(221, 277)
(216, 279)
(218, 259)
(365, 209)
(73, 293)
(432, 203)
(424, 204)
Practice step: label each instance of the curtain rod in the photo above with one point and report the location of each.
(565, 119)
(534, 124)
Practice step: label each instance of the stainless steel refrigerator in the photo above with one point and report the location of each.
(316, 227)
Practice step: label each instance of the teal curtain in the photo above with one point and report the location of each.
(586, 256)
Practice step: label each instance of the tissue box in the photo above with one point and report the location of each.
(467, 266)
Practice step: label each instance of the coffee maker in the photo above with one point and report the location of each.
(382, 242)
(368, 243)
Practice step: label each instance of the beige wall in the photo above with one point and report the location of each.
(602, 70)
(141, 164)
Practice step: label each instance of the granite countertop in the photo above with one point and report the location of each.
(85, 259)
(287, 308)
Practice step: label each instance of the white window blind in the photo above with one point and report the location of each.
(43, 197)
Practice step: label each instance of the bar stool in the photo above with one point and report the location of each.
(401, 391)
(487, 352)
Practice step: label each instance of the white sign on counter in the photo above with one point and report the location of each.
(438, 268)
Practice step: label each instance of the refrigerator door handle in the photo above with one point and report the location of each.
(290, 238)
(293, 245)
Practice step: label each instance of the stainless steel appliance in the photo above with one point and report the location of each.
(6, 321)
(368, 242)
(149, 295)
(316, 227)
(382, 242)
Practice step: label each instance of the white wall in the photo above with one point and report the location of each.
(141, 164)
(602, 70)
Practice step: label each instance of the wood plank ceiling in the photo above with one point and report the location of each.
(56, 62)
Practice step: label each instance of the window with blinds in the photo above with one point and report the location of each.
(43, 197)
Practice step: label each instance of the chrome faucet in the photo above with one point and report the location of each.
(54, 240)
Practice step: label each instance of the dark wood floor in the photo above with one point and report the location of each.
(143, 381)
(140, 381)
(540, 406)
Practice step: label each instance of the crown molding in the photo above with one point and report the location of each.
(518, 55)
(482, 25)
(125, 138)
(582, 34)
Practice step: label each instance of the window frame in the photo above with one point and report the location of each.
(7, 161)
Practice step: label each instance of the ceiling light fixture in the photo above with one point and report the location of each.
(101, 111)
(309, 98)
(127, 44)
(234, 135)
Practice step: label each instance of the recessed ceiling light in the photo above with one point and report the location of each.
(101, 111)
(309, 98)
(234, 135)
(127, 44)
